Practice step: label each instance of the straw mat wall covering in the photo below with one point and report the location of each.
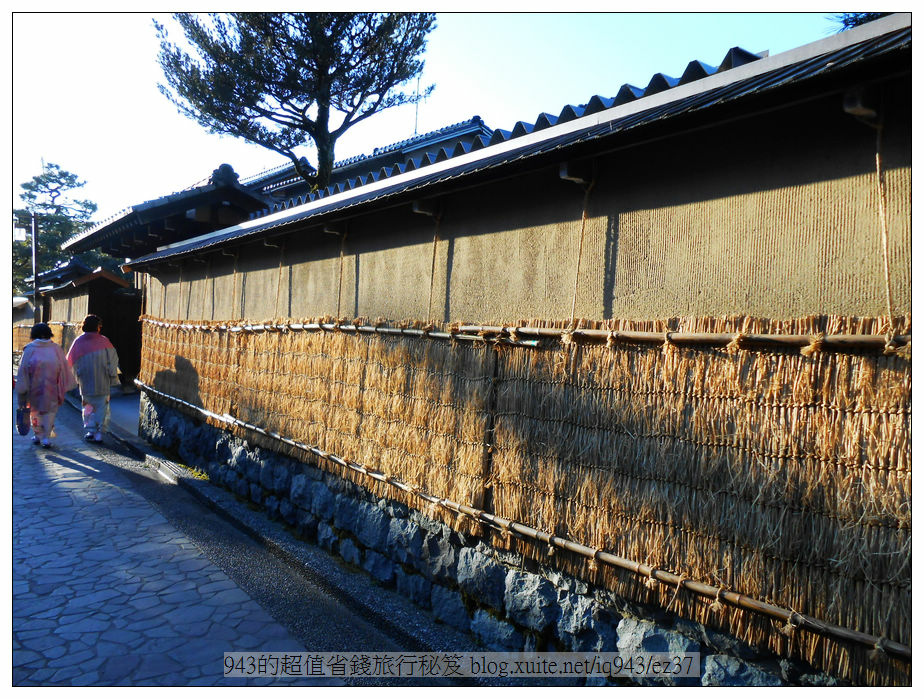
(63, 334)
(779, 474)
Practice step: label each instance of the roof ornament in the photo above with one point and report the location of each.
(224, 175)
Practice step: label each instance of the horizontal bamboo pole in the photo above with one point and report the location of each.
(698, 338)
(504, 334)
(792, 618)
(337, 327)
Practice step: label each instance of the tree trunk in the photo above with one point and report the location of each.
(325, 161)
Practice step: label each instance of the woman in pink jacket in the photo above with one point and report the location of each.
(44, 377)
(97, 367)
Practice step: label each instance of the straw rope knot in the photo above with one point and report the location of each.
(891, 348)
(790, 627)
(611, 339)
(668, 345)
(652, 582)
(550, 551)
(677, 591)
(513, 334)
(592, 564)
(813, 346)
(718, 604)
(878, 652)
(735, 345)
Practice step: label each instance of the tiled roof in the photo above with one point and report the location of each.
(450, 136)
(695, 70)
(700, 87)
(138, 214)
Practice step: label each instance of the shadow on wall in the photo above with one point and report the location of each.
(182, 383)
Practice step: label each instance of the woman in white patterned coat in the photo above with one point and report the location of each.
(44, 378)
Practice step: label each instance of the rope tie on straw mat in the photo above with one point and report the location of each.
(877, 652)
(676, 592)
(668, 345)
(883, 229)
(592, 564)
(735, 345)
(790, 627)
(813, 346)
(718, 603)
(577, 271)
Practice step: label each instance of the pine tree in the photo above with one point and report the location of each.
(59, 216)
(282, 79)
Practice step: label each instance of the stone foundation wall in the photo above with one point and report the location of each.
(505, 602)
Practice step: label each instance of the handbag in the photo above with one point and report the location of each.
(22, 421)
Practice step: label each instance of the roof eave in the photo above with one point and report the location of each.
(429, 175)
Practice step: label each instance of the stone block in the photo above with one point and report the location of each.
(394, 508)
(327, 539)
(495, 634)
(322, 502)
(439, 559)
(256, 493)
(345, 512)
(242, 463)
(728, 671)
(223, 446)
(562, 581)
(403, 541)
(482, 578)
(716, 640)
(639, 637)
(427, 524)
(447, 606)
(241, 486)
(307, 524)
(282, 476)
(371, 526)
(266, 475)
(272, 507)
(299, 492)
(416, 588)
(349, 551)
(530, 600)
(585, 625)
(379, 567)
(287, 511)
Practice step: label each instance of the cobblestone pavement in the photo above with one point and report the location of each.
(107, 592)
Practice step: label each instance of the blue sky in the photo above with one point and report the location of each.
(85, 86)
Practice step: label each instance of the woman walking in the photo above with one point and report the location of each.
(96, 364)
(43, 379)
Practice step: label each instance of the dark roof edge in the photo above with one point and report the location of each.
(98, 273)
(145, 210)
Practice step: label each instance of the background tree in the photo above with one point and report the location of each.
(849, 20)
(280, 79)
(60, 216)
